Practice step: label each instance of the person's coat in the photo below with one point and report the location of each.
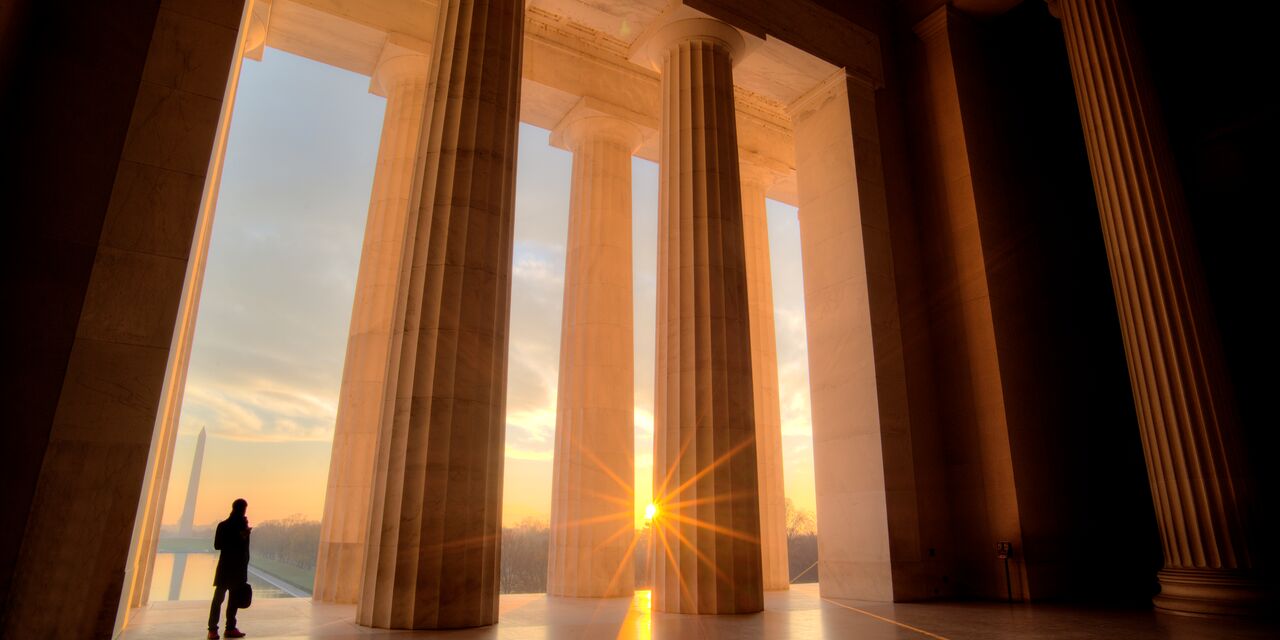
(232, 539)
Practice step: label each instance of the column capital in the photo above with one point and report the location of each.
(592, 118)
(402, 57)
(255, 38)
(935, 24)
(680, 23)
(836, 85)
(761, 171)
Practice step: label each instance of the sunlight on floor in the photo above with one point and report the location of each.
(797, 613)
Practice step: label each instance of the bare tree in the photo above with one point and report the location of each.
(802, 544)
(799, 522)
(524, 557)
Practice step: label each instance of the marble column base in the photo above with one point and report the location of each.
(1212, 592)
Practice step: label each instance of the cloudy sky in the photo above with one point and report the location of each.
(270, 339)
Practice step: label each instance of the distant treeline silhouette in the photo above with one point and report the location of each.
(524, 557)
(294, 541)
(802, 545)
(524, 553)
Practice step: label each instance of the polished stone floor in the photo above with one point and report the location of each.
(798, 613)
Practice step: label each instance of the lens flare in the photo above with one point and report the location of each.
(651, 511)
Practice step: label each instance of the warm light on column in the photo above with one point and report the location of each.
(592, 539)
(432, 556)
(401, 76)
(1186, 410)
(758, 174)
(705, 545)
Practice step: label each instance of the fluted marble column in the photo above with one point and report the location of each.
(432, 558)
(764, 375)
(1185, 407)
(592, 491)
(707, 530)
(401, 76)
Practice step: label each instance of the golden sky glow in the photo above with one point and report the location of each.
(267, 359)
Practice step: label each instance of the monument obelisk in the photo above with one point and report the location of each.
(186, 522)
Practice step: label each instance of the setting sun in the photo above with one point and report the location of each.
(650, 511)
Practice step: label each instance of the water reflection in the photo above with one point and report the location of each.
(189, 576)
(179, 569)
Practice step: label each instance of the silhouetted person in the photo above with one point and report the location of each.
(232, 539)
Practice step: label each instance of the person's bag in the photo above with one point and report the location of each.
(242, 596)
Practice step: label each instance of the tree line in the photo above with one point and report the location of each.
(524, 553)
(802, 544)
(295, 541)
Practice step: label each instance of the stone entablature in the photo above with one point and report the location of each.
(564, 60)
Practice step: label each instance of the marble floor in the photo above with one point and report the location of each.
(798, 613)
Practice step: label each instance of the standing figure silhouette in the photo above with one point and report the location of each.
(232, 539)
